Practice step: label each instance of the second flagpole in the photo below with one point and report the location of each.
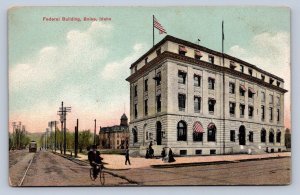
(153, 28)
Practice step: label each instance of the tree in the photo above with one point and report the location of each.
(84, 139)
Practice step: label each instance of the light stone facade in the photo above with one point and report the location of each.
(143, 127)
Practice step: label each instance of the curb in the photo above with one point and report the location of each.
(213, 162)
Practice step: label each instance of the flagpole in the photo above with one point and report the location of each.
(223, 88)
(153, 28)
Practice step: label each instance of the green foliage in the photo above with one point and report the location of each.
(19, 139)
(85, 139)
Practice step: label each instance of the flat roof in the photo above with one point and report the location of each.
(201, 48)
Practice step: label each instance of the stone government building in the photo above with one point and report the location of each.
(182, 96)
(115, 137)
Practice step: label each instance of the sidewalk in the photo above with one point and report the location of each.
(117, 162)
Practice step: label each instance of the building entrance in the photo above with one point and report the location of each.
(158, 133)
(242, 135)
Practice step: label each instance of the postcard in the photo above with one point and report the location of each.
(149, 96)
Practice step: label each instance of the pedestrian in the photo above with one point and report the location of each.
(147, 153)
(171, 156)
(163, 154)
(127, 156)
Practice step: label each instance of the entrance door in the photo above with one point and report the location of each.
(242, 135)
(158, 133)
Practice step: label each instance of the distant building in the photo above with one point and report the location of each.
(115, 137)
(201, 102)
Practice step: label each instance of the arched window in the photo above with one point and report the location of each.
(181, 131)
(271, 136)
(135, 135)
(197, 131)
(263, 136)
(278, 136)
(211, 132)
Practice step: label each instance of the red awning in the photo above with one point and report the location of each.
(211, 126)
(243, 87)
(198, 53)
(198, 127)
(251, 90)
(182, 48)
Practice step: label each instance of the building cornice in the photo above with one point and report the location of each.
(184, 59)
(205, 49)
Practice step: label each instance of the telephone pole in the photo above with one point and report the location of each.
(95, 133)
(62, 112)
(76, 139)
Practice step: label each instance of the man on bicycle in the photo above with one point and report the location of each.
(95, 159)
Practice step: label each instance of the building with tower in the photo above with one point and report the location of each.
(115, 137)
(198, 101)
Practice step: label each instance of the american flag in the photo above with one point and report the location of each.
(158, 26)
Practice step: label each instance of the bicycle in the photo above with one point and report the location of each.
(100, 172)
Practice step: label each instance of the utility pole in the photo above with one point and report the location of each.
(19, 134)
(55, 145)
(95, 133)
(63, 113)
(76, 139)
(14, 134)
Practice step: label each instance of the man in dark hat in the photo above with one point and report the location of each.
(94, 159)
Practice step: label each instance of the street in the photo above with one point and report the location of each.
(48, 169)
(258, 172)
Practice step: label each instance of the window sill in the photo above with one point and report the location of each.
(211, 112)
(182, 109)
(197, 111)
(232, 115)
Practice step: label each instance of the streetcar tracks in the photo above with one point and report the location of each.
(30, 162)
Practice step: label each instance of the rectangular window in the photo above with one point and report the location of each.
(197, 103)
(146, 107)
(271, 113)
(263, 77)
(181, 102)
(242, 90)
(181, 77)
(211, 105)
(250, 71)
(135, 91)
(198, 55)
(182, 152)
(250, 93)
(211, 59)
(250, 136)
(262, 112)
(231, 108)
(146, 60)
(250, 111)
(263, 96)
(271, 81)
(212, 152)
(278, 83)
(146, 85)
(241, 68)
(182, 50)
(158, 78)
(271, 99)
(232, 135)
(158, 52)
(211, 83)
(232, 65)
(242, 110)
(158, 103)
(135, 111)
(231, 88)
(278, 115)
(278, 101)
(198, 152)
(197, 80)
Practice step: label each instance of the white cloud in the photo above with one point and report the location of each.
(270, 52)
(113, 69)
(80, 53)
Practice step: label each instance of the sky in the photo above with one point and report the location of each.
(85, 63)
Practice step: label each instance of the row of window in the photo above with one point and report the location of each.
(211, 85)
(211, 59)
